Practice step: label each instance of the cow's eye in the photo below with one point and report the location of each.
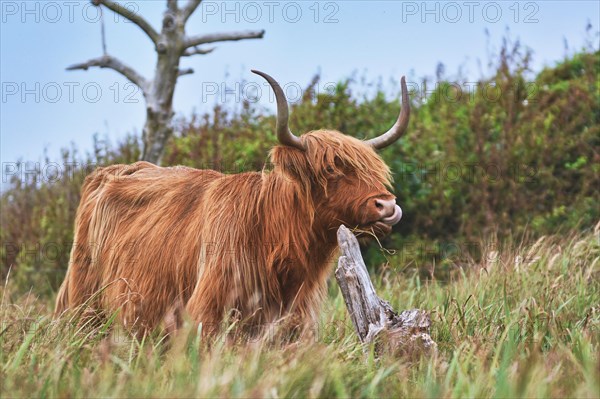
(333, 174)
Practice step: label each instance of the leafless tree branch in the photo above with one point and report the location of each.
(222, 37)
(130, 15)
(172, 5)
(189, 9)
(187, 71)
(108, 61)
(196, 50)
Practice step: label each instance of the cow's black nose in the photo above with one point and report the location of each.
(386, 208)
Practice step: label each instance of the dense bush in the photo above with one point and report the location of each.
(512, 155)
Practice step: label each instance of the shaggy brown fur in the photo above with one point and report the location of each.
(150, 240)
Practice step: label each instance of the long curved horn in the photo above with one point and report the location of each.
(399, 127)
(284, 134)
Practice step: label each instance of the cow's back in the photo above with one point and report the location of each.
(136, 243)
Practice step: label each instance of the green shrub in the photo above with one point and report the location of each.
(520, 164)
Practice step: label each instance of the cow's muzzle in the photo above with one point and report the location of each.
(390, 213)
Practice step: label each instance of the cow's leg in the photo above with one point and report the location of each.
(206, 306)
(83, 292)
(62, 297)
(82, 280)
(79, 291)
(173, 319)
(302, 316)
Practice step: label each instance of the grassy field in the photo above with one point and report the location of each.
(523, 323)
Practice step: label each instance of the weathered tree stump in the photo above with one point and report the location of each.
(374, 319)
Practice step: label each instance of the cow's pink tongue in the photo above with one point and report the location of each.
(394, 218)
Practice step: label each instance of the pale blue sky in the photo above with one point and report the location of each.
(379, 38)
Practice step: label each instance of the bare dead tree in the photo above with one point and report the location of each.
(170, 44)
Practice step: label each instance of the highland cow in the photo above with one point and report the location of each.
(151, 241)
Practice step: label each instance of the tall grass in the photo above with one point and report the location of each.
(524, 322)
